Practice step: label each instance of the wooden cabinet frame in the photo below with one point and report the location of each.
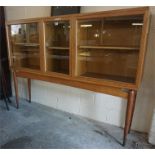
(115, 88)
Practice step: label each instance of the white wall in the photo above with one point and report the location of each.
(100, 107)
(22, 12)
(152, 48)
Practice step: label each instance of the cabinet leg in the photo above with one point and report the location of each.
(132, 110)
(129, 113)
(29, 89)
(16, 88)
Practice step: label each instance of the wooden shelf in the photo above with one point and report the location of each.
(27, 44)
(109, 47)
(52, 56)
(30, 50)
(26, 55)
(84, 54)
(109, 77)
(62, 71)
(58, 48)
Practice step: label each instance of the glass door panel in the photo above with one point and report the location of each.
(25, 45)
(108, 48)
(89, 32)
(57, 46)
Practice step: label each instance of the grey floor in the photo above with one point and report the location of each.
(38, 126)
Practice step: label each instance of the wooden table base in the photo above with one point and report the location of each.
(129, 110)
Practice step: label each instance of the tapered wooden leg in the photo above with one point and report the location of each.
(129, 113)
(29, 89)
(16, 88)
(132, 112)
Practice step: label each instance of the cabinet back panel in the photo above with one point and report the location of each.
(108, 62)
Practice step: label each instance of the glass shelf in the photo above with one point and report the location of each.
(109, 47)
(57, 56)
(58, 48)
(26, 55)
(27, 44)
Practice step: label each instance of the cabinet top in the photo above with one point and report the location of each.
(100, 14)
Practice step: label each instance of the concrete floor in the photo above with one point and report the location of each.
(38, 126)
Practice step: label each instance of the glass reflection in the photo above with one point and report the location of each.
(25, 45)
(108, 48)
(57, 46)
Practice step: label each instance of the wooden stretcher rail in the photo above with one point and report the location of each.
(92, 87)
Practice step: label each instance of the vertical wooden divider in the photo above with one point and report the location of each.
(143, 46)
(73, 45)
(42, 46)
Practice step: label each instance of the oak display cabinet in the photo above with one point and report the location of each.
(102, 52)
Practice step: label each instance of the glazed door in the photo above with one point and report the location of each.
(57, 42)
(108, 48)
(25, 45)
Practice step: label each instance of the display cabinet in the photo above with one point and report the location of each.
(102, 52)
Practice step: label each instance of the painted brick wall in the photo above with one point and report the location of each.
(152, 130)
(152, 48)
